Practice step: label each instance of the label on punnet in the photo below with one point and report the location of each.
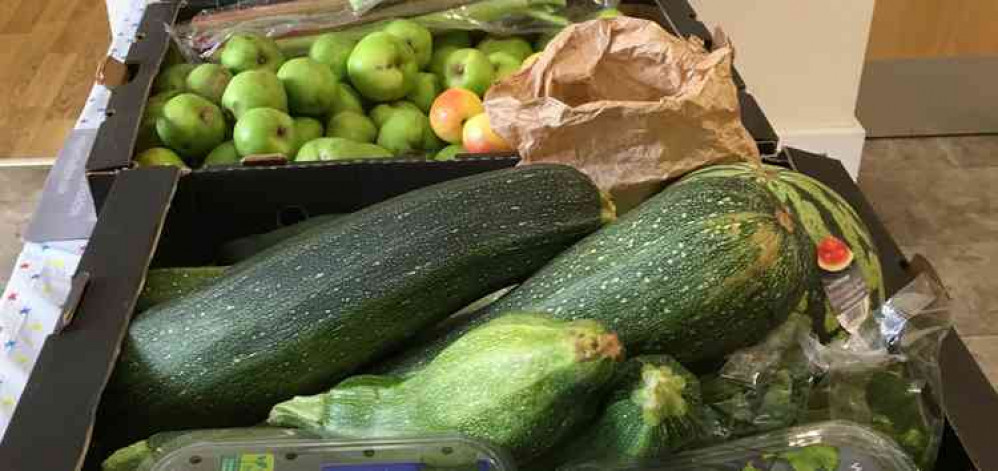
(248, 462)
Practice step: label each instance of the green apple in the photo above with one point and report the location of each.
(264, 131)
(381, 113)
(147, 126)
(333, 50)
(352, 125)
(469, 69)
(244, 52)
(159, 156)
(347, 99)
(311, 87)
(426, 90)
(439, 59)
(382, 67)
(172, 78)
(407, 131)
(209, 81)
(450, 152)
(306, 129)
(416, 36)
(224, 154)
(191, 125)
(504, 64)
(516, 47)
(457, 39)
(338, 148)
(254, 89)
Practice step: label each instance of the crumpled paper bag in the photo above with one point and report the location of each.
(625, 102)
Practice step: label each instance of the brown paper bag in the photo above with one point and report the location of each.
(625, 102)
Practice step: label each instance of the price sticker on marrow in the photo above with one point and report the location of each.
(843, 283)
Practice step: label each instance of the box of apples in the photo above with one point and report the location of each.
(289, 114)
(399, 91)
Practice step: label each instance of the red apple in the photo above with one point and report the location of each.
(479, 138)
(450, 110)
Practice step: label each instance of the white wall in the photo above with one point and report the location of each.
(802, 59)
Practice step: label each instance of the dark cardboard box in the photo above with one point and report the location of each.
(113, 148)
(156, 216)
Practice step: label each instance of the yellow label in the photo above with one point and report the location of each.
(256, 462)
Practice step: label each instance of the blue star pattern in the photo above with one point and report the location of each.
(25, 310)
(9, 345)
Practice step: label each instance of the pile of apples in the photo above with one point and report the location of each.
(400, 90)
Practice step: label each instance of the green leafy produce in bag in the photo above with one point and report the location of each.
(522, 382)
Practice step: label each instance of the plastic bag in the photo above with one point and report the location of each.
(887, 375)
(828, 446)
(884, 376)
(763, 387)
(296, 24)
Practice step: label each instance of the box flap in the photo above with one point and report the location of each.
(51, 426)
(116, 136)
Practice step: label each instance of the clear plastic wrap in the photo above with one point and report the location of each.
(887, 375)
(293, 450)
(884, 376)
(295, 24)
(827, 446)
(763, 387)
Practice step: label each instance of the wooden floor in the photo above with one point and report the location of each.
(49, 51)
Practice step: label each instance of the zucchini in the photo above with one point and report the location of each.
(306, 313)
(653, 410)
(165, 284)
(242, 248)
(521, 382)
(702, 269)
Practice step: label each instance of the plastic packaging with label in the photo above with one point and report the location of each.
(826, 446)
(275, 449)
(295, 25)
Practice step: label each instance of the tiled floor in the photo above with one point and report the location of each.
(938, 196)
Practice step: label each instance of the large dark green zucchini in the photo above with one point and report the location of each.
(165, 284)
(705, 267)
(303, 315)
(240, 249)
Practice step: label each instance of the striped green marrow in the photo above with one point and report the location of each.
(308, 312)
(653, 410)
(822, 212)
(705, 267)
(522, 382)
(165, 284)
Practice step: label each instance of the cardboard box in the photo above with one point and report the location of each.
(113, 147)
(155, 216)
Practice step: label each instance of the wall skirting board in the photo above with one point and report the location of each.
(802, 60)
(844, 143)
